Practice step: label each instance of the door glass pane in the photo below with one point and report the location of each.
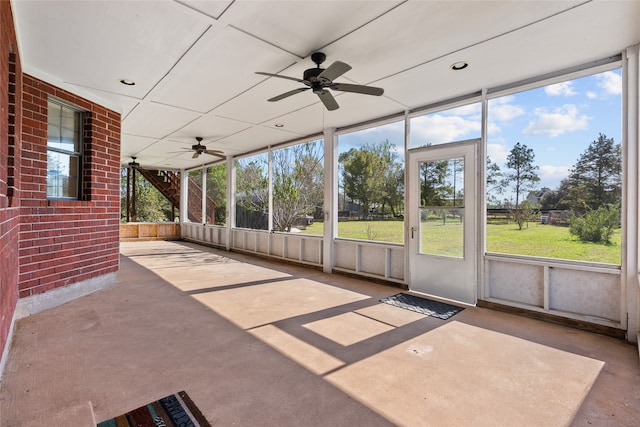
(442, 207)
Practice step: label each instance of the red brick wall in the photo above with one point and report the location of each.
(10, 84)
(66, 241)
(48, 244)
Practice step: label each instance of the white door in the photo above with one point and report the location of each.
(442, 221)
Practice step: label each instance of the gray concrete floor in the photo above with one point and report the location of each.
(261, 344)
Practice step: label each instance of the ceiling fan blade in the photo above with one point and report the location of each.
(195, 155)
(367, 90)
(280, 77)
(217, 153)
(334, 71)
(288, 94)
(328, 100)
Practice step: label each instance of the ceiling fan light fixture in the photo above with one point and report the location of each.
(127, 82)
(460, 65)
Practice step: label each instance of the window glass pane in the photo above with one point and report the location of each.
(64, 128)
(298, 188)
(554, 170)
(456, 124)
(252, 192)
(371, 184)
(54, 113)
(62, 175)
(217, 194)
(194, 196)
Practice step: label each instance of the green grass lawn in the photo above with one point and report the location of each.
(551, 242)
(537, 240)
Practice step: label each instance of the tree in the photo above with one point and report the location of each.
(252, 193)
(298, 183)
(597, 225)
(495, 184)
(151, 205)
(217, 190)
(525, 213)
(392, 191)
(366, 171)
(433, 187)
(596, 177)
(523, 172)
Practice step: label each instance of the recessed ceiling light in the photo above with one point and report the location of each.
(279, 125)
(127, 82)
(459, 65)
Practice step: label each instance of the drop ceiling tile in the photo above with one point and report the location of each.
(131, 145)
(301, 27)
(211, 8)
(156, 120)
(253, 107)
(255, 138)
(539, 52)
(209, 127)
(431, 30)
(354, 108)
(219, 67)
(94, 44)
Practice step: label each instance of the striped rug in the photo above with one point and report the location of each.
(176, 410)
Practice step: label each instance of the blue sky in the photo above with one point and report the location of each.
(558, 122)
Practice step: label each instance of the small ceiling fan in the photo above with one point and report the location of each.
(200, 149)
(319, 79)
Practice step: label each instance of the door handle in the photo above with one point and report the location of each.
(413, 229)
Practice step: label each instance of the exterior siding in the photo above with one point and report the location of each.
(67, 241)
(10, 103)
(48, 244)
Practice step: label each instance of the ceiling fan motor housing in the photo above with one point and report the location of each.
(311, 74)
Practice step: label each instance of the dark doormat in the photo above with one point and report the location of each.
(171, 411)
(426, 306)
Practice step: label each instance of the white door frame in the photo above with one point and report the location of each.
(453, 278)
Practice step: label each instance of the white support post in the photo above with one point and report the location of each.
(204, 196)
(630, 304)
(330, 197)
(231, 200)
(483, 285)
(270, 189)
(184, 191)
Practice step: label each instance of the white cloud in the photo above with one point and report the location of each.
(497, 152)
(437, 129)
(554, 123)
(502, 109)
(592, 95)
(553, 173)
(493, 129)
(611, 82)
(564, 88)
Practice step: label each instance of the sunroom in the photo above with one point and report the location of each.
(483, 154)
(460, 140)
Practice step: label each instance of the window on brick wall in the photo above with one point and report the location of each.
(64, 151)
